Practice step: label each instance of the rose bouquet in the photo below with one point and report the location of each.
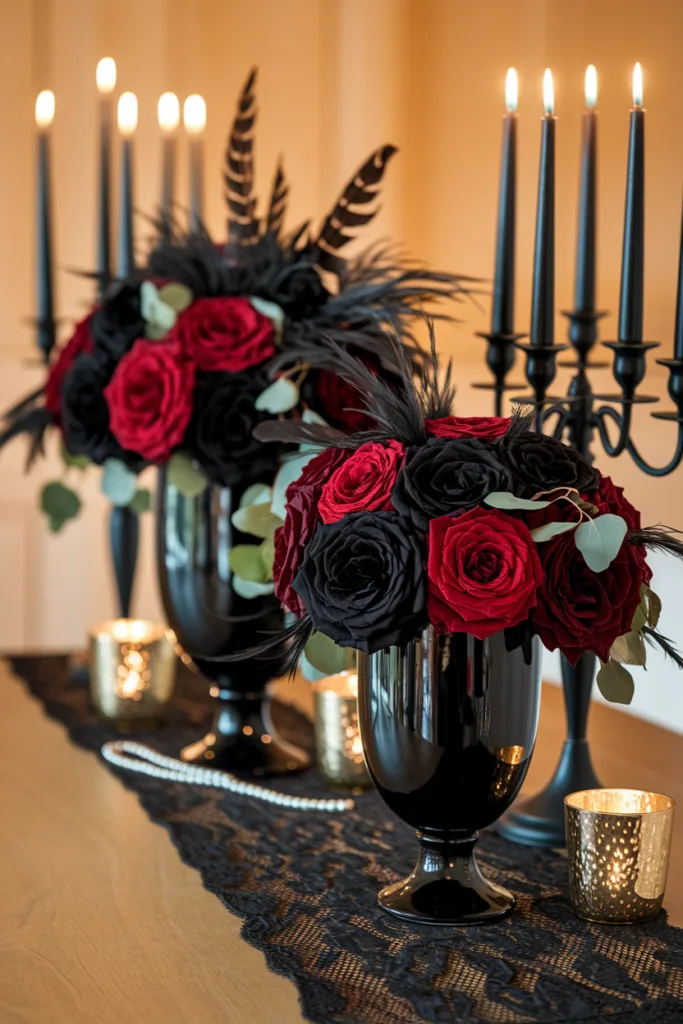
(473, 525)
(179, 364)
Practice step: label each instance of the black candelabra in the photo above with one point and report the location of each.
(582, 418)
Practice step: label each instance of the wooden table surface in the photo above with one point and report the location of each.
(101, 922)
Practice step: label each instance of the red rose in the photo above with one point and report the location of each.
(579, 610)
(80, 341)
(150, 399)
(487, 428)
(340, 402)
(300, 523)
(224, 334)
(484, 572)
(363, 483)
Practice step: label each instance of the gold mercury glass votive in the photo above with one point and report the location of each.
(337, 735)
(132, 672)
(618, 844)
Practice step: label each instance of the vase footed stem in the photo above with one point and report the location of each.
(446, 887)
(242, 739)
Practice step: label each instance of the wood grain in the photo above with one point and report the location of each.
(102, 922)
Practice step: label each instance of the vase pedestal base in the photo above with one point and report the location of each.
(242, 739)
(447, 887)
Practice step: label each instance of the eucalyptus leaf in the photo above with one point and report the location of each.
(256, 520)
(249, 589)
(309, 671)
(326, 656)
(508, 501)
(653, 604)
(59, 503)
(280, 396)
(615, 683)
(246, 562)
(273, 312)
(154, 331)
(599, 540)
(177, 296)
(73, 461)
(290, 470)
(119, 483)
(185, 475)
(257, 494)
(629, 649)
(549, 530)
(158, 315)
(142, 502)
(267, 550)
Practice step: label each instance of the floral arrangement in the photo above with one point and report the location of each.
(472, 525)
(178, 364)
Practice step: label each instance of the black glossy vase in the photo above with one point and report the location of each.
(211, 621)
(448, 725)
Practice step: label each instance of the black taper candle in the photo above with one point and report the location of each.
(543, 294)
(106, 81)
(45, 322)
(632, 259)
(128, 118)
(678, 335)
(584, 287)
(503, 309)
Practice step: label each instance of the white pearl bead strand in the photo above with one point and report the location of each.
(136, 757)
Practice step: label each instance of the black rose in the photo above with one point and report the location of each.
(299, 290)
(220, 432)
(445, 476)
(540, 463)
(118, 323)
(85, 413)
(362, 581)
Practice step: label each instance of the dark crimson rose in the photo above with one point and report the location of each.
(363, 483)
(300, 522)
(85, 413)
(224, 334)
(220, 432)
(150, 399)
(445, 476)
(339, 402)
(486, 428)
(484, 572)
(79, 342)
(579, 610)
(540, 463)
(118, 323)
(362, 581)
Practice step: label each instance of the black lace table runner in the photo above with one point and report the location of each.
(305, 885)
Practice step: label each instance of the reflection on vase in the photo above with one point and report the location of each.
(448, 726)
(194, 538)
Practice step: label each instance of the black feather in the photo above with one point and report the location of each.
(360, 192)
(243, 226)
(657, 639)
(284, 648)
(658, 538)
(278, 203)
(298, 432)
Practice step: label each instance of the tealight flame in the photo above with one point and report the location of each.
(45, 108)
(105, 75)
(591, 86)
(511, 89)
(548, 92)
(168, 111)
(637, 86)
(128, 113)
(194, 114)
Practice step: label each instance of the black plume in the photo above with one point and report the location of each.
(243, 227)
(298, 432)
(658, 538)
(360, 191)
(283, 647)
(655, 638)
(278, 203)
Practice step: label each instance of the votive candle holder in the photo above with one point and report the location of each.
(337, 734)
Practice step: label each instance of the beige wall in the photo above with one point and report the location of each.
(337, 78)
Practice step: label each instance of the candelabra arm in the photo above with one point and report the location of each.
(563, 416)
(626, 444)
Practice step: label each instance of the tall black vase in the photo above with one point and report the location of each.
(194, 538)
(448, 725)
(124, 538)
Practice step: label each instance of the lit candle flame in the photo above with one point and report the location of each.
(105, 75)
(511, 89)
(591, 86)
(128, 113)
(168, 111)
(548, 92)
(45, 108)
(194, 115)
(637, 86)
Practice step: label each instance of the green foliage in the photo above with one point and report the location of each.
(257, 494)
(142, 501)
(615, 683)
(185, 475)
(59, 503)
(273, 312)
(267, 551)
(508, 501)
(73, 461)
(247, 563)
(326, 658)
(249, 588)
(599, 540)
(280, 396)
(177, 296)
(550, 530)
(256, 520)
(119, 483)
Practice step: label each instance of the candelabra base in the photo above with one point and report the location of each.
(539, 821)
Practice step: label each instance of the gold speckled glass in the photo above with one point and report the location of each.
(618, 843)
